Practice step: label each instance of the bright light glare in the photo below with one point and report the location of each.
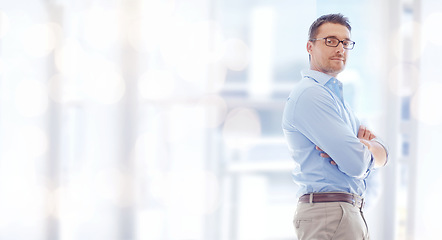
(157, 85)
(241, 126)
(424, 104)
(40, 39)
(4, 24)
(31, 98)
(431, 28)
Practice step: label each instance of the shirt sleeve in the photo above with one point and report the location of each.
(317, 117)
(378, 140)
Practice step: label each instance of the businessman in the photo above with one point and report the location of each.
(333, 153)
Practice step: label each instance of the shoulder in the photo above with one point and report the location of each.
(309, 90)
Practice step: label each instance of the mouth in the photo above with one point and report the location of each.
(337, 59)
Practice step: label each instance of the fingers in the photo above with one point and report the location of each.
(323, 154)
(366, 143)
(364, 133)
(361, 132)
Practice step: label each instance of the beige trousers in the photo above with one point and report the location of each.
(331, 221)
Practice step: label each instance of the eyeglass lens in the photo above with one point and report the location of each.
(334, 42)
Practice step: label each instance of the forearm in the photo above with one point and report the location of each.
(378, 151)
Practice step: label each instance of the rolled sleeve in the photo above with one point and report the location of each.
(378, 140)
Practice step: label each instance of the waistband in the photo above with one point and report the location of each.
(353, 199)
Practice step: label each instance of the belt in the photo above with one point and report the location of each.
(355, 200)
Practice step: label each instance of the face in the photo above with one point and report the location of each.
(329, 60)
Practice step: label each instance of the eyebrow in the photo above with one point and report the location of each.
(338, 38)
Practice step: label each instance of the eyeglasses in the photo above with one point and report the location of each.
(334, 42)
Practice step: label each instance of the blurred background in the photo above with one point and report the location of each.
(161, 119)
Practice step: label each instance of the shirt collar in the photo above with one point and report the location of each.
(319, 77)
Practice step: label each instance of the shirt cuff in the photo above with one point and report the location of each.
(384, 146)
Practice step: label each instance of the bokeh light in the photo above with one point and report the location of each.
(31, 98)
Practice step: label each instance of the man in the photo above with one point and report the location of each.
(333, 153)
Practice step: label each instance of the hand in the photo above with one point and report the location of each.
(366, 143)
(325, 155)
(365, 134)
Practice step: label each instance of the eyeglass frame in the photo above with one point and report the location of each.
(339, 41)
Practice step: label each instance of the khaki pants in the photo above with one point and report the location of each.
(331, 221)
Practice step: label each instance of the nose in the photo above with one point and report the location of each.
(340, 48)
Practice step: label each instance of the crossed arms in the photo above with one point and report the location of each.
(366, 137)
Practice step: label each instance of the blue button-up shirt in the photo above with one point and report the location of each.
(316, 114)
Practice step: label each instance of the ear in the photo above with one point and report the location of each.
(309, 46)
